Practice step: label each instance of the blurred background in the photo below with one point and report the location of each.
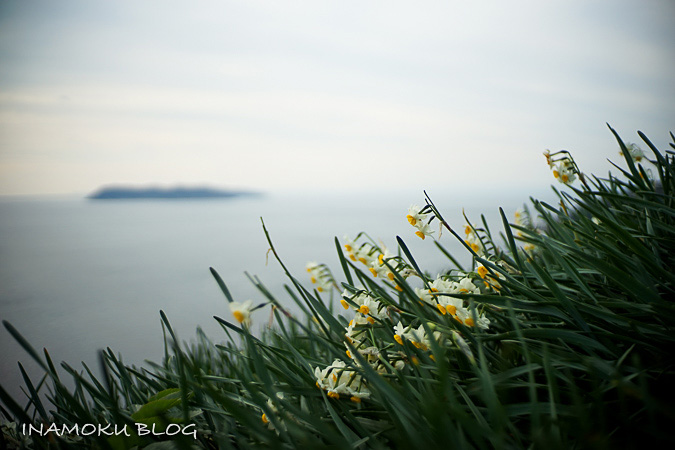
(342, 113)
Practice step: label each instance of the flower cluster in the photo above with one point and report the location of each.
(367, 308)
(472, 240)
(376, 317)
(337, 379)
(380, 262)
(491, 279)
(441, 295)
(564, 168)
(417, 337)
(418, 218)
(319, 275)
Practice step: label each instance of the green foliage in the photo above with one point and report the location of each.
(567, 341)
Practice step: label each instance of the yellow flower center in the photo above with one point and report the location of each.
(373, 271)
(352, 257)
(264, 418)
(348, 247)
(565, 178)
(452, 309)
(380, 259)
(239, 316)
(320, 289)
(475, 247)
(398, 288)
(313, 280)
(415, 360)
(390, 276)
(441, 309)
(469, 322)
(371, 320)
(364, 310)
(398, 339)
(349, 355)
(420, 234)
(344, 303)
(467, 230)
(333, 394)
(363, 260)
(355, 399)
(411, 220)
(482, 271)
(556, 174)
(419, 345)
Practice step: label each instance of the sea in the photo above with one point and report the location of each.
(79, 275)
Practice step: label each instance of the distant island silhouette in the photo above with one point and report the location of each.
(176, 193)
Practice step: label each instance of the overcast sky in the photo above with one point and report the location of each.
(334, 95)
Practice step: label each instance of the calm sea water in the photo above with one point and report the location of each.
(78, 275)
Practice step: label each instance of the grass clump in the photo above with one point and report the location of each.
(559, 335)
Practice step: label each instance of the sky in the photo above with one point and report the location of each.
(314, 96)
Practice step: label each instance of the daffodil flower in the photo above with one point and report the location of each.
(634, 152)
(547, 154)
(564, 172)
(319, 275)
(424, 231)
(415, 216)
(242, 311)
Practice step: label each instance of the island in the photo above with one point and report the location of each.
(173, 193)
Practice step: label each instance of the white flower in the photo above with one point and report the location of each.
(451, 305)
(365, 254)
(473, 241)
(354, 335)
(359, 320)
(242, 311)
(467, 287)
(423, 231)
(414, 216)
(417, 337)
(442, 285)
(378, 269)
(368, 306)
(634, 152)
(563, 171)
(426, 296)
(547, 154)
(319, 275)
(421, 340)
(351, 248)
(337, 380)
(400, 333)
